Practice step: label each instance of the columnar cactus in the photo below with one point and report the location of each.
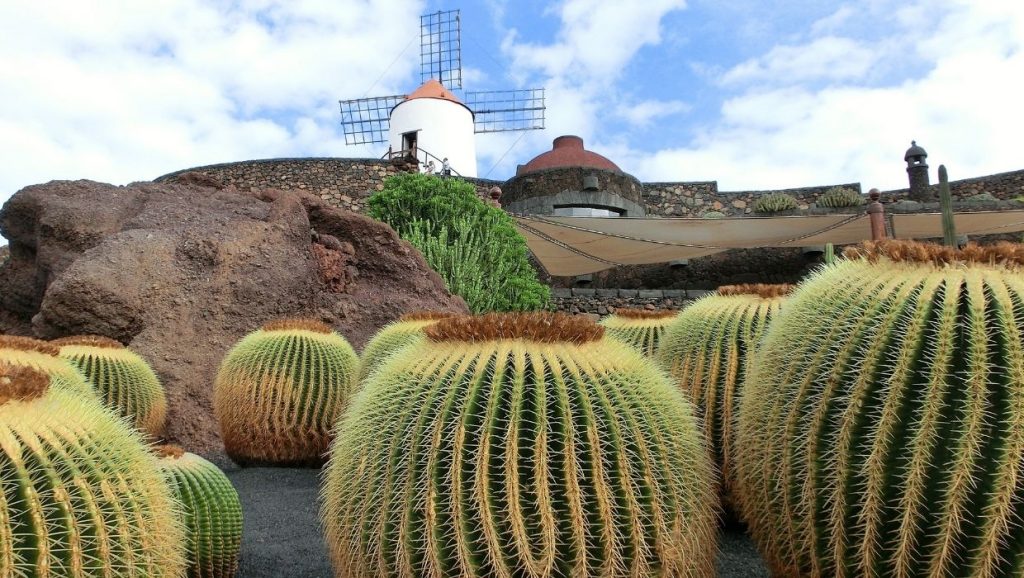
(519, 445)
(211, 512)
(123, 379)
(774, 203)
(394, 336)
(279, 391)
(881, 430)
(44, 356)
(639, 328)
(80, 494)
(706, 349)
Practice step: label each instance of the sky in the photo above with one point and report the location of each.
(752, 94)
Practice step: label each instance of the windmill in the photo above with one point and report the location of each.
(432, 123)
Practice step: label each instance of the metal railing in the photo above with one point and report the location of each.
(422, 156)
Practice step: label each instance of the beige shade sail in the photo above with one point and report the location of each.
(568, 246)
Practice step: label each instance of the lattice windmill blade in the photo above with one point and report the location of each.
(366, 120)
(507, 110)
(441, 48)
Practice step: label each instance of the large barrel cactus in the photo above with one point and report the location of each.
(123, 379)
(640, 328)
(280, 390)
(80, 494)
(706, 349)
(45, 357)
(211, 511)
(519, 445)
(881, 429)
(394, 336)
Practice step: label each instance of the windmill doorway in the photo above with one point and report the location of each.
(409, 144)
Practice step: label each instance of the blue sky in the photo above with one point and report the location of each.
(755, 95)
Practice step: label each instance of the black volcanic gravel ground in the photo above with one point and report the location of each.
(282, 536)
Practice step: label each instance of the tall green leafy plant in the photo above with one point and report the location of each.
(473, 246)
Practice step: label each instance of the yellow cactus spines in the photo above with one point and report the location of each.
(519, 445)
(80, 494)
(881, 429)
(44, 356)
(394, 336)
(124, 380)
(211, 511)
(705, 351)
(640, 328)
(279, 391)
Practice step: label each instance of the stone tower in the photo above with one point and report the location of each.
(917, 171)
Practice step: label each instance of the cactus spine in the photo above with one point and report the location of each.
(881, 431)
(394, 336)
(123, 379)
(80, 494)
(706, 350)
(639, 328)
(519, 445)
(211, 511)
(26, 351)
(279, 391)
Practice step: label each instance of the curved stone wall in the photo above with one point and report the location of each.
(538, 192)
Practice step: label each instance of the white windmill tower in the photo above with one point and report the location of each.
(433, 123)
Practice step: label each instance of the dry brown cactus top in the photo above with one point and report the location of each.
(541, 326)
(1002, 253)
(426, 316)
(646, 313)
(19, 343)
(89, 341)
(169, 451)
(21, 383)
(764, 290)
(297, 323)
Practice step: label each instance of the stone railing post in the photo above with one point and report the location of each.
(876, 214)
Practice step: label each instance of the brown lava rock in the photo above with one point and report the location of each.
(179, 271)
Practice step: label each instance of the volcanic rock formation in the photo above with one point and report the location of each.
(179, 271)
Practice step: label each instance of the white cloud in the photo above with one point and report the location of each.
(643, 113)
(826, 58)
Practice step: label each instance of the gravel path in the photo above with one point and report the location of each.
(282, 535)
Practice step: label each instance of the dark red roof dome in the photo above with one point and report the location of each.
(567, 151)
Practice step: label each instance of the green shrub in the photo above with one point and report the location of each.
(473, 246)
(982, 198)
(713, 215)
(774, 203)
(837, 197)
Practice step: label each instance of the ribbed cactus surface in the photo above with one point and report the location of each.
(706, 349)
(519, 445)
(881, 431)
(44, 356)
(124, 380)
(640, 328)
(80, 494)
(211, 512)
(280, 390)
(394, 336)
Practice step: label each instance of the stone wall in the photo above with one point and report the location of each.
(518, 192)
(1004, 186)
(605, 301)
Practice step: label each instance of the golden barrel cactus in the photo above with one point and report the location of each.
(640, 328)
(706, 349)
(45, 357)
(394, 336)
(519, 445)
(80, 493)
(279, 391)
(211, 511)
(881, 429)
(123, 379)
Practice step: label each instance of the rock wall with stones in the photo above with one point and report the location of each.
(519, 191)
(601, 302)
(697, 198)
(1003, 186)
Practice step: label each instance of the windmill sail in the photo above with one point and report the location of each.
(366, 120)
(441, 48)
(507, 110)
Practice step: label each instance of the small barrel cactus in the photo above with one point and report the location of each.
(123, 379)
(713, 215)
(44, 356)
(211, 512)
(881, 429)
(80, 493)
(514, 445)
(280, 390)
(706, 349)
(640, 328)
(838, 197)
(774, 203)
(394, 336)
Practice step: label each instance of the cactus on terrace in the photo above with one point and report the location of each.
(640, 328)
